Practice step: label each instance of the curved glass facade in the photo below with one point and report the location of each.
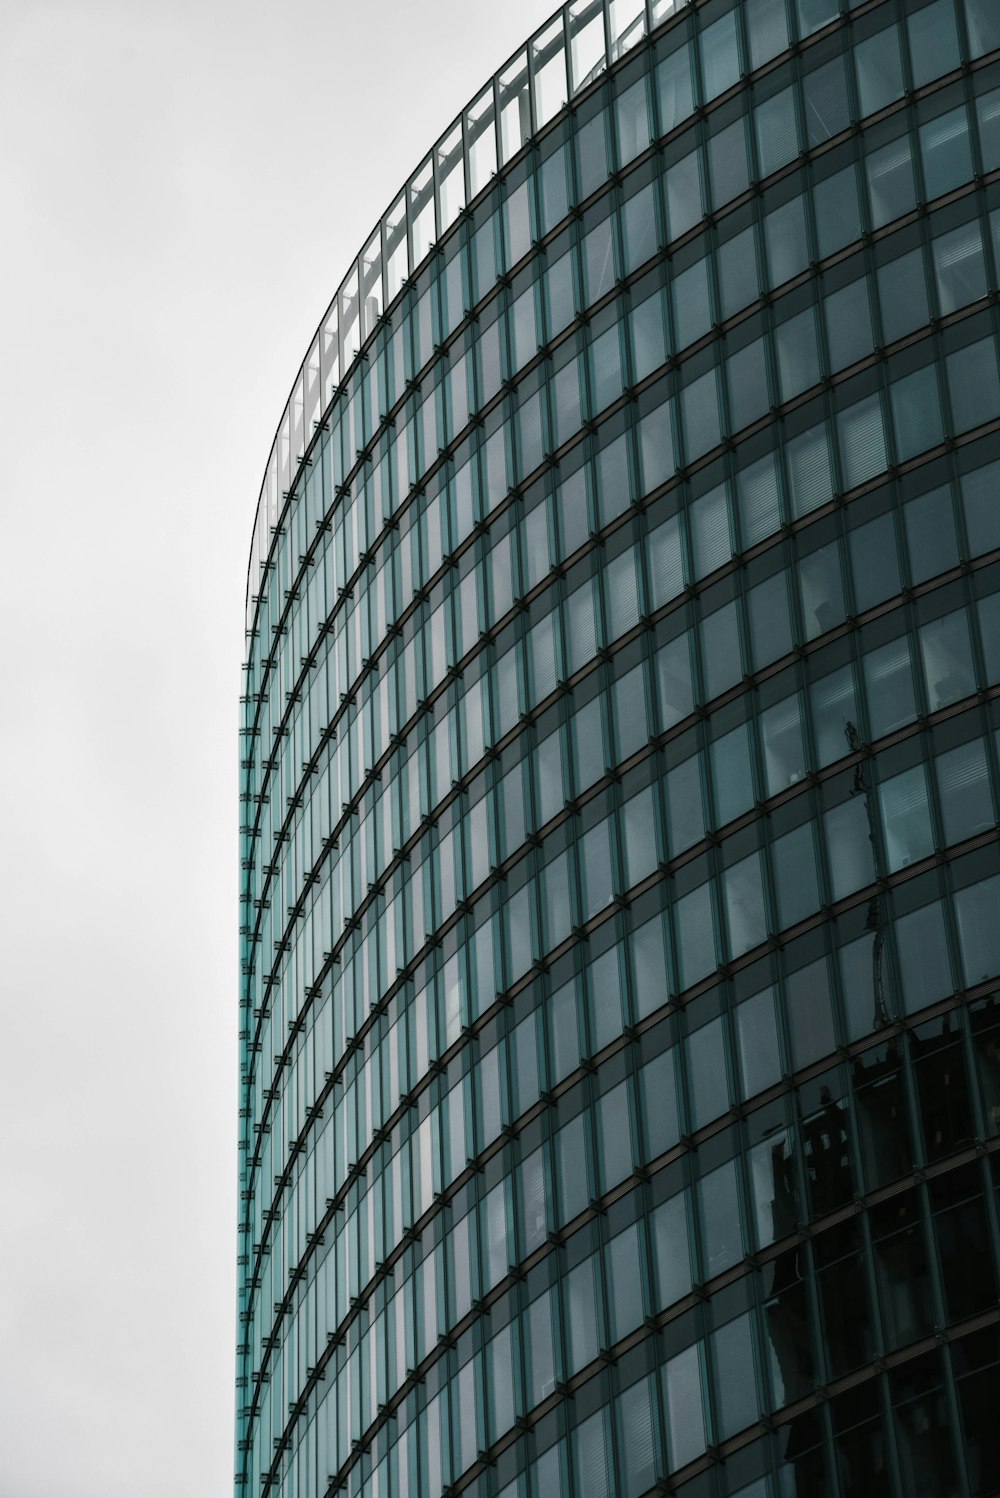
(621, 777)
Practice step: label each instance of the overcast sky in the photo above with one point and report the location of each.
(182, 185)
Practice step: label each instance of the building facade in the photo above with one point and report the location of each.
(620, 781)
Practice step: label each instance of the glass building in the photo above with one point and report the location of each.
(620, 781)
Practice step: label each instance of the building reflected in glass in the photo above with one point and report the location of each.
(620, 781)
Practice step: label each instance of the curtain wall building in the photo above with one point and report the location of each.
(620, 780)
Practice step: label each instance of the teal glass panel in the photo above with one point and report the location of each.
(728, 163)
(759, 1051)
(775, 123)
(946, 152)
(931, 541)
(736, 266)
(826, 103)
(891, 186)
(946, 655)
(849, 330)
(766, 23)
(978, 933)
(684, 1407)
(838, 211)
(974, 384)
(916, 410)
(902, 289)
(889, 687)
(982, 514)
(795, 865)
(906, 818)
(879, 70)
(720, 58)
(682, 185)
(925, 967)
(933, 39)
(982, 23)
(787, 240)
(674, 88)
(798, 354)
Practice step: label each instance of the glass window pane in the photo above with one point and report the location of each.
(813, 14)
(974, 385)
(639, 230)
(728, 163)
(916, 410)
(636, 1440)
(959, 267)
(946, 654)
(930, 534)
(736, 265)
(770, 621)
(685, 820)
(757, 1032)
(746, 373)
(759, 500)
(787, 240)
(781, 740)
(980, 496)
(671, 1250)
(776, 129)
(798, 354)
(746, 916)
(862, 441)
(649, 345)
(794, 861)
(674, 90)
(849, 324)
(922, 946)
(834, 706)
(879, 70)
(683, 193)
(694, 931)
(964, 791)
(838, 211)
(902, 290)
(889, 687)
(766, 23)
(849, 848)
(809, 1007)
(632, 121)
(982, 20)
(810, 470)
(891, 188)
(700, 414)
(732, 778)
(933, 41)
(684, 1412)
(826, 106)
(979, 930)
(821, 590)
(946, 152)
(736, 1383)
(711, 540)
(906, 818)
(692, 304)
(989, 630)
(720, 59)
(719, 1205)
(874, 562)
(658, 1096)
(705, 1052)
(674, 680)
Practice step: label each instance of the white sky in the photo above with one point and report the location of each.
(182, 185)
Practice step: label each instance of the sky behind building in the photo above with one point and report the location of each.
(183, 186)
